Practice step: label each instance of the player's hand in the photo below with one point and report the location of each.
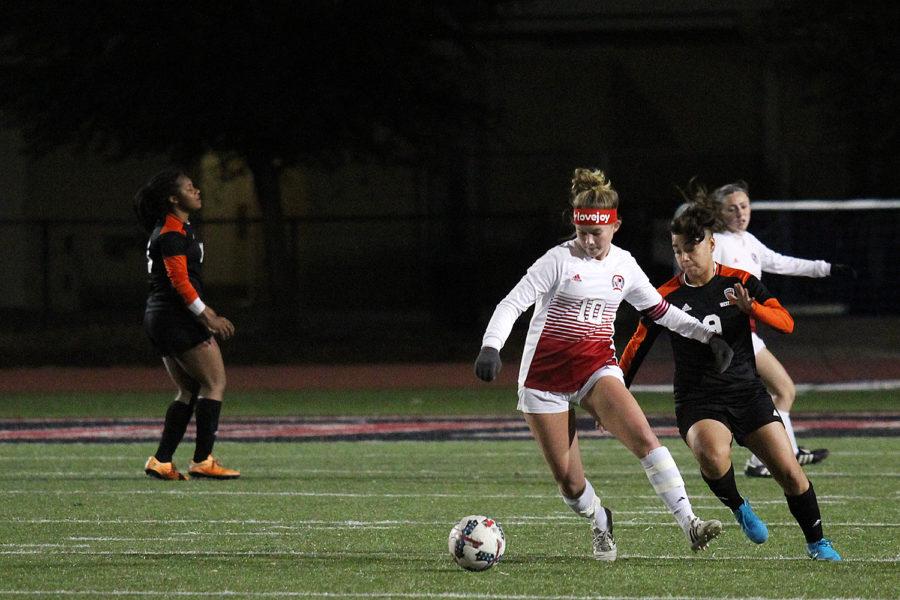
(488, 364)
(220, 327)
(843, 271)
(722, 352)
(740, 298)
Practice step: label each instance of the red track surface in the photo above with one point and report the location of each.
(388, 376)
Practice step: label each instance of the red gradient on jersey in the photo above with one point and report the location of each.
(561, 366)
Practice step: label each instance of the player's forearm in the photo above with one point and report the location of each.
(177, 272)
(790, 265)
(682, 323)
(500, 325)
(773, 314)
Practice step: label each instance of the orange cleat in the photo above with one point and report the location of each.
(162, 470)
(212, 469)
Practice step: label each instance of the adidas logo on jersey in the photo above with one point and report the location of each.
(686, 307)
(577, 277)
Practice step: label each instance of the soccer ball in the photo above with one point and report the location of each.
(477, 543)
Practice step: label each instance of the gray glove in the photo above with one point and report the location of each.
(488, 364)
(722, 352)
(840, 271)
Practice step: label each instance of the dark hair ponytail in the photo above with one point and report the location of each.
(694, 221)
(151, 201)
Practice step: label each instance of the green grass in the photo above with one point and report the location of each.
(370, 519)
(335, 519)
(486, 400)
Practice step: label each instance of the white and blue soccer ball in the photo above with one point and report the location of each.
(477, 543)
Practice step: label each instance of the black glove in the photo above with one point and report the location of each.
(722, 352)
(842, 271)
(488, 364)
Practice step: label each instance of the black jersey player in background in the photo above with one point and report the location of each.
(713, 408)
(181, 326)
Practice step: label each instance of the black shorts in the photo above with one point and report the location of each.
(173, 332)
(742, 413)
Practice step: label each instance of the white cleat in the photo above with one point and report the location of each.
(702, 533)
(603, 542)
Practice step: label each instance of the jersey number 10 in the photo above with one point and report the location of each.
(591, 310)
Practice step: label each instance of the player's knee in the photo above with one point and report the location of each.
(570, 488)
(792, 481)
(714, 461)
(642, 442)
(783, 394)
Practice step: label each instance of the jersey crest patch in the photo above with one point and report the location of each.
(618, 283)
(729, 294)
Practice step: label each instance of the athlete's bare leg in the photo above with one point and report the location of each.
(770, 443)
(710, 442)
(187, 385)
(613, 406)
(204, 363)
(775, 377)
(555, 434)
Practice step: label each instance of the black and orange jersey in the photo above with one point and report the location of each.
(695, 371)
(174, 260)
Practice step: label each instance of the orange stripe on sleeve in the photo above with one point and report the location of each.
(773, 314)
(176, 269)
(631, 349)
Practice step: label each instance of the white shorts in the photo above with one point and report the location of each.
(539, 401)
(758, 344)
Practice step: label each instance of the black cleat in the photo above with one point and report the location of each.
(805, 456)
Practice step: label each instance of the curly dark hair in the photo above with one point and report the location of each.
(151, 201)
(694, 221)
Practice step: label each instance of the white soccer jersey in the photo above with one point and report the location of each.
(575, 301)
(742, 250)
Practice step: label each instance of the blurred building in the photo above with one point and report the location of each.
(655, 93)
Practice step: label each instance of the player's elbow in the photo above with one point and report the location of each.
(787, 325)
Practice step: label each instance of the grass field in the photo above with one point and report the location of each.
(487, 400)
(370, 519)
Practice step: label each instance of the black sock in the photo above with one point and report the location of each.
(207, 424)
(805, 509)
(178, 416)
(725, 489)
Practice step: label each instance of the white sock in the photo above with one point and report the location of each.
(754, 462)
(666, 480)
(588, 506)
(789, 427)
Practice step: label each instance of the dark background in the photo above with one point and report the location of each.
(481, 110)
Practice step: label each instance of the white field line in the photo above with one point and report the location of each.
(380, 456)
(375, 595)
(262, 472)
(287, 526)
(370, 555)
(192, 491)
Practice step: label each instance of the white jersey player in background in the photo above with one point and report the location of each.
(569, 359)
(738, 248)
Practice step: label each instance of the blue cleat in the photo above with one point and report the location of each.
(752, 525)
(822, 550)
